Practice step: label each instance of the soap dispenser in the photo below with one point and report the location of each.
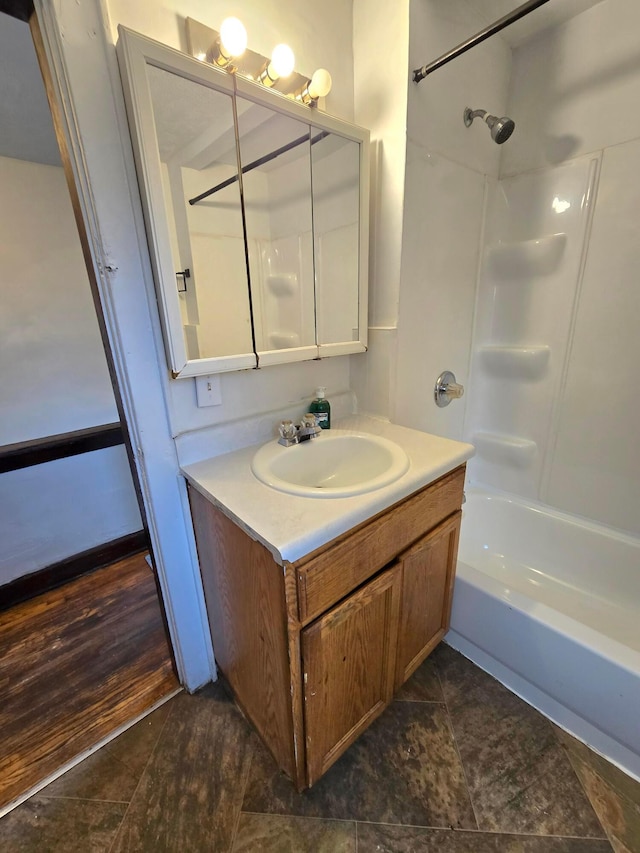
(321, 408)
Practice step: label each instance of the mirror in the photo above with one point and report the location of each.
(335, 165)
(196, 145)
(276, 166)
(256, 212)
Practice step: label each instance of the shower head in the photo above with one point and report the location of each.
(501, 128)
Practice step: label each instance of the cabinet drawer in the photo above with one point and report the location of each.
(330, 575)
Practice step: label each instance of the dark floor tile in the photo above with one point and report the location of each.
(423, 686)
(43, 825)
(98, 777)
(113, 772)
(190, 793)
(374, 838)
(618, 815)
(276, 834)
(519, 777)
(612, 775)
(403, 769)
(134, 747)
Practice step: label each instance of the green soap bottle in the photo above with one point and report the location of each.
(321, 408)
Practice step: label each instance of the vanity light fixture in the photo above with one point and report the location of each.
(318, 87)
(231, 44)
(228, 50)
(281, 65)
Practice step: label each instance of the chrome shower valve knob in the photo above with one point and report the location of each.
(447, 389)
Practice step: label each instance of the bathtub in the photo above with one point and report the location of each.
(550, 605)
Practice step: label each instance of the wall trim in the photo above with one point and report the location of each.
(74, 47)
(57, 574)
(24, 454)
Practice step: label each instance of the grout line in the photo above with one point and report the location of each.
(302, 816)
(247, 773)
(569, 757)
(458, 830)
(432, 827)
(456, 747)
(144, 770)
(356, 831)
(85, 800)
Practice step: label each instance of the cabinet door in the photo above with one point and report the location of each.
(428, 572)
(349, 663)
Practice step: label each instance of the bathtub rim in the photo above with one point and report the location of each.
(478, 490)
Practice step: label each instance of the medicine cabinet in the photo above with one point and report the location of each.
(256, 210)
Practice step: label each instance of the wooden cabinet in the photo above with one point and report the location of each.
(349, 669)
(314, 650)
(428, 573)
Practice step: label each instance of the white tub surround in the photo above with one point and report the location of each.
(548, 604)
(291, 526)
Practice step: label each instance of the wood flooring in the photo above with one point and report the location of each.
(76, 664)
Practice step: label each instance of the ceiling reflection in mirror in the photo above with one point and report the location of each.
(276, 166)
(335, 167)
(196, 142)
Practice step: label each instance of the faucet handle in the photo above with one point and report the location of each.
(287, 430)
(447, 389)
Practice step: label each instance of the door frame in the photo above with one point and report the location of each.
(83, 87)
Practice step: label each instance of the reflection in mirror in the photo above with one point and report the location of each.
(196, 141)
(335, 168)
(276, 166)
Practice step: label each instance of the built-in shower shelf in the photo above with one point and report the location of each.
(505, 449)
(283, 284)
(515, 362)
(526, 258)
(284, 340)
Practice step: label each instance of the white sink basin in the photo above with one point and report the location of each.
(336, 464)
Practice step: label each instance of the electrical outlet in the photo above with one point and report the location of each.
(208, 391)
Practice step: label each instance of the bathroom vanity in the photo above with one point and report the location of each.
(320, 609)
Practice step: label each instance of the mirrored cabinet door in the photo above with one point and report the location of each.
(335, 170)
(275, 157)
(182, 125)
(198, 161)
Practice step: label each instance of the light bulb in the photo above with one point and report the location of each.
(233, 37)
(320, 84)
(282, 61)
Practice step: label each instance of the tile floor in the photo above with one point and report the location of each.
(456, 764)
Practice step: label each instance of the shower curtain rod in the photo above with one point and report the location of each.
(420, 73)
(260, 162)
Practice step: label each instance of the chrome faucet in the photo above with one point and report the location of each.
(291, 433)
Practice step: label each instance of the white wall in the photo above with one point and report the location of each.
(321, 36)
(54, 374)
(54, 379)
(571, 94)
(574, 87)
(61, 508)
(446, 172)
(595, 468)
(380, 99)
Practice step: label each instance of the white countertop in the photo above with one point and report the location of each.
(291, 526)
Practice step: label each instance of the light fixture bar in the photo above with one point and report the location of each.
(420, 73)
(201, 37)
(260, 162)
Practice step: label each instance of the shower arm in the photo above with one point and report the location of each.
(420, 73)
